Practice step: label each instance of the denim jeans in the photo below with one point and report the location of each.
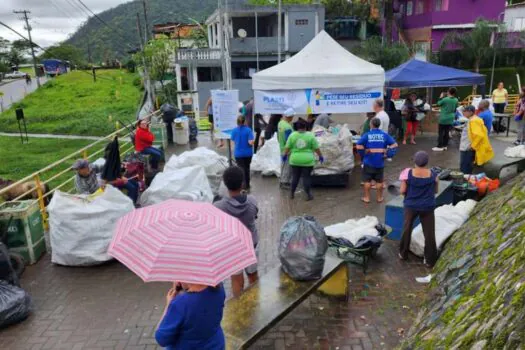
(155, 156)
(132, 187)
(466, 161)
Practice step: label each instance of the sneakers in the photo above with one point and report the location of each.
(438, 149)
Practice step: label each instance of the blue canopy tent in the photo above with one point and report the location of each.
(419, 74)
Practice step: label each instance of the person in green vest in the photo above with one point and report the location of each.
(301, 146)
(284, 130)
(448, 105)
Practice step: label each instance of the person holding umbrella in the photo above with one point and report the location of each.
(192, 317)
(195, 246)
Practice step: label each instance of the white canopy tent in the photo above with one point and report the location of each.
(322, 78)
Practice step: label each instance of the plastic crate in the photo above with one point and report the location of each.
(160, 132)
(25, 234)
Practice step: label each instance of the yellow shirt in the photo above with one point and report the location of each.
(498, 96)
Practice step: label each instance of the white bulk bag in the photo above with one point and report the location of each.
(189, 183)
(213, 163)
(515, 152)
(81, 227)
(267, 160)
(448, 219)
(336, 148)
(354, 229)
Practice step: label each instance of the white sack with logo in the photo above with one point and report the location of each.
(81, 227)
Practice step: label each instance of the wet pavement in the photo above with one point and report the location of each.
(16, 90)
(108, 307)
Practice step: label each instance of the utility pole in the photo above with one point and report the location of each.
(146, 25)
(28, 27)
(148, 84)
(279, 31)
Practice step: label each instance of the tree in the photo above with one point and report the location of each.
(65, 52)
(157, 55)
(4, 54)
(474, 45)
(387, 55)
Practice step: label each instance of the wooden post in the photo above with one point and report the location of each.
(41, 201)
(84, 154)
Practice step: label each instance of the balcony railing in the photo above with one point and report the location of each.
(198, 54)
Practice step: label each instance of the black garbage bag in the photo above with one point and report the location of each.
(368, 241)
(15, 304)
(302, 248)
(339, 241)
(7, 272)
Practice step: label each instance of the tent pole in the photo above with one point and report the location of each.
(257, 38)
(279, 31)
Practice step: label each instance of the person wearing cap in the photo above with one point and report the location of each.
(144, 143)
(372, 147)
(419, 190)
(86, 180)
(301, 146)
(284, 130)
(474, 145)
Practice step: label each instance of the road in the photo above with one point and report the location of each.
(17, 90)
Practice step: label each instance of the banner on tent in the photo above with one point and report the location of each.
(316, 101)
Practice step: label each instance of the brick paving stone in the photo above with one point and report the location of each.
(107, 306)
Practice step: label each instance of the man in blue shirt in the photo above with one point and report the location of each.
(372, 148)
(486, 114)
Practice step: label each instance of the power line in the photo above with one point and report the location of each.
(28, 27)
(102, 21)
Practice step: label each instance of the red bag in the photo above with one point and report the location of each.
(486, 186)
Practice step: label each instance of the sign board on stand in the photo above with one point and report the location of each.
(225, 104)
(316, 101)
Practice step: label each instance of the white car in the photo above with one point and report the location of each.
(15, 75)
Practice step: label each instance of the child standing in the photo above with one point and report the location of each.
(244, 207)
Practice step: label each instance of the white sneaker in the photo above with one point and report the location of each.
(438, 149)
(445, 148)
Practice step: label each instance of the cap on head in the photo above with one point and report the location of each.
(469, 108)
(80, 164)
(289, 113)
(421, 158)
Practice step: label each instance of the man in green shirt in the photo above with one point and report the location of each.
(301, 146)
(448, 105)
(284, 130)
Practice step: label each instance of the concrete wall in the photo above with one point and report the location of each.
(248, 46)
(300, 35)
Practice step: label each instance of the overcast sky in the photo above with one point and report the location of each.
(52, 20)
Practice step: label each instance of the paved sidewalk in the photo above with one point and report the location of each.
(108, 307)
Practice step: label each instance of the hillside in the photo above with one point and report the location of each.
(114, 40)
(73, 104)
(477, 298)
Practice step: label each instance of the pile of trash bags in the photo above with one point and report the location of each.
(515, 152)
(449, 218)
(213, 164)
(267, 160)
(302, 248)
(336, 146)
(189, 183)
(81, 227)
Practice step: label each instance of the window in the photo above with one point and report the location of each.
(301, 22)
(420, 7)
(402, 9)
(438, 5)
(409, 8)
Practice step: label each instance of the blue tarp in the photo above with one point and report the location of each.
(415, 73)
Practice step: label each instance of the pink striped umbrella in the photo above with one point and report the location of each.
(182, 241)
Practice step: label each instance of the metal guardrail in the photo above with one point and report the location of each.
(513, 99)
(88, 152)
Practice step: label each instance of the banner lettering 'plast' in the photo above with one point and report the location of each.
(316, 101)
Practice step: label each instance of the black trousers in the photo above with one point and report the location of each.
(306, 173)
(499, 107)
(429, 231)
(258, 132)
(244, 163)
(444, 135)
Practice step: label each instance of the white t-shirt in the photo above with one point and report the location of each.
(385, 120)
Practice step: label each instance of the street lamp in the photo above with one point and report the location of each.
(500, 20)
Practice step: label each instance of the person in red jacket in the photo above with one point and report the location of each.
(144, 143)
